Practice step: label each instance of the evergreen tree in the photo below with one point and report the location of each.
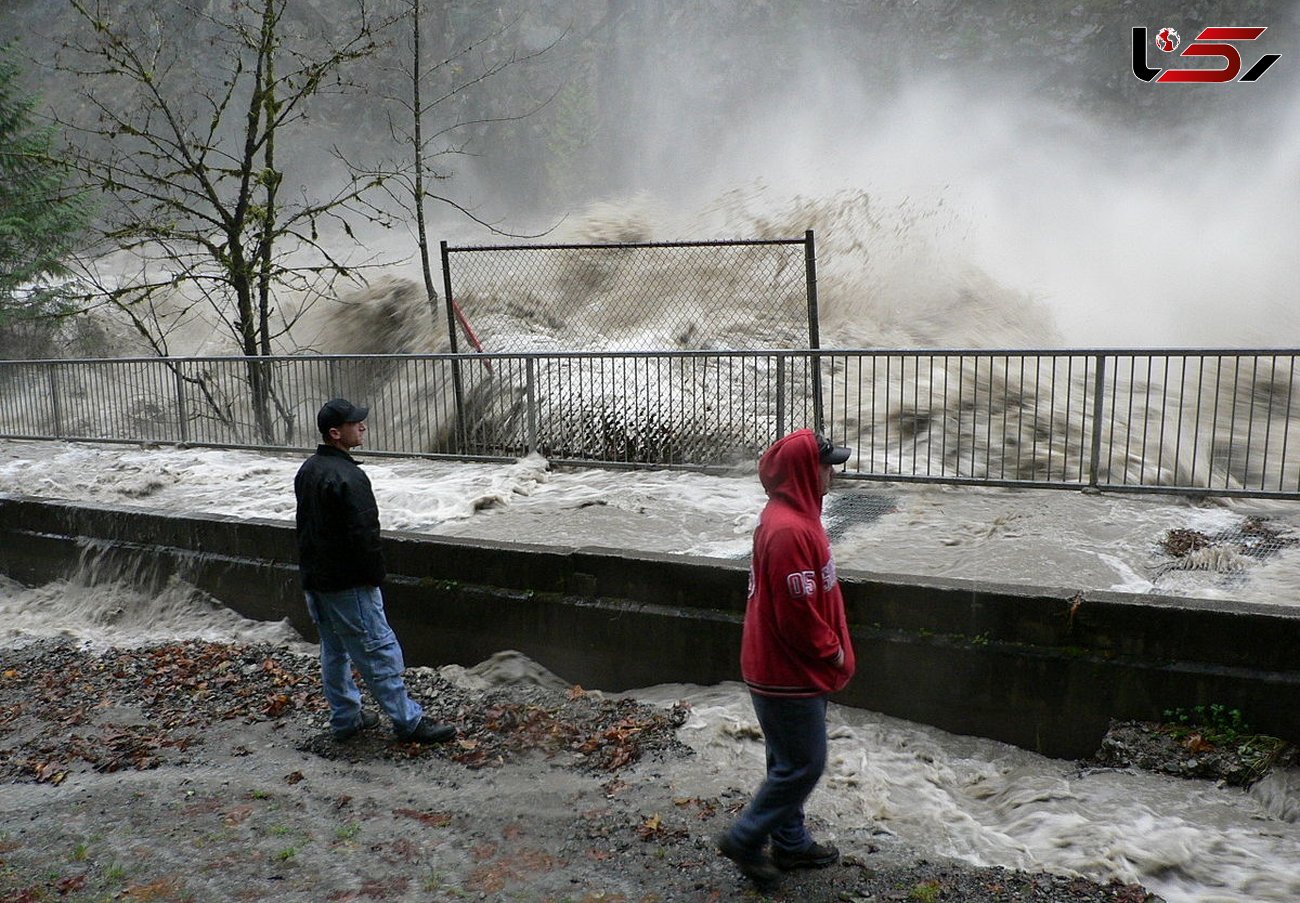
(41, 216)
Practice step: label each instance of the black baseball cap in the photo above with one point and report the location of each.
(831, 454)
(338, 411)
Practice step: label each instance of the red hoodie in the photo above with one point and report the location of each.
(795, 627)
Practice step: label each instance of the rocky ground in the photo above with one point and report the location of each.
(204, 771)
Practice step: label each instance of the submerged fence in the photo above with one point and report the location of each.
(1209, 422)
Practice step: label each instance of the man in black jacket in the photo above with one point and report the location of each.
(342, 567)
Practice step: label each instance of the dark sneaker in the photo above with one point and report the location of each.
(755, 865)
(817, 856)
(365, 721)
(428, 732)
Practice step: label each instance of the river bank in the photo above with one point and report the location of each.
(204, 771)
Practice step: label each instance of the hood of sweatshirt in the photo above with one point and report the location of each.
(790, 471)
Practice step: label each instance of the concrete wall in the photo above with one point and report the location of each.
(1041, 668)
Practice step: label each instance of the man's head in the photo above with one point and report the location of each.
(799, 466)
(342, 423)
(829, 453)
(829, 456)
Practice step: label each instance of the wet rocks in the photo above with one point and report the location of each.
(1197, 751)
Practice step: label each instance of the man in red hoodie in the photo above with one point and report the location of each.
(795, 651)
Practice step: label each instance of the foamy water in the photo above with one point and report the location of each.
(969, 219)
(890, 275)
(988, 803)
(103, 613)
(980, 801)
(1054, 538)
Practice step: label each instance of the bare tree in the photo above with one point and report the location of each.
(431, 129)
(180, 132)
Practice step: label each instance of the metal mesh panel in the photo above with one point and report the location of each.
(633, 296)
(683, 409)
(845, 510)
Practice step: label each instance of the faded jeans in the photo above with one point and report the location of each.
(353, 629)
(794, 731)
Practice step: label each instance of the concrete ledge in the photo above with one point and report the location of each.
(1043, 668)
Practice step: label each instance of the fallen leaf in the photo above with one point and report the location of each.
(69, 885)
(162, 889)
(432, 819)
(237, 815)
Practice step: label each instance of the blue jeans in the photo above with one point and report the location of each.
(353, 629)
(794, 731)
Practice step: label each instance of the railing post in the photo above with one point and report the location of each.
(182, 414)
(531, 401)
(456, 386)
(814, 328)
(1098, 390)
(335, 379)
(780, 400)
(56, 408)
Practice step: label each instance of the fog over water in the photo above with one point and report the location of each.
(1009, 199)
(1129, 218)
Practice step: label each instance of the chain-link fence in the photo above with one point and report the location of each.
(625, 297)
(1201, 422)
(634, 296)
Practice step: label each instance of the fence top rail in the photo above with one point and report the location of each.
(718, 243)
(687, 353)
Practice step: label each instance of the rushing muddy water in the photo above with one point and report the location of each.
(968, 219)
(978, 800)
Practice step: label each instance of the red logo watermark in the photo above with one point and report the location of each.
(1214, 41)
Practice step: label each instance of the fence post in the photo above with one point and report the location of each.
(780, 400)
(457, 390)
(56, 408)
(531, 401)
(182, 415)
(331, 377)
(814, 329)
(1098, 390)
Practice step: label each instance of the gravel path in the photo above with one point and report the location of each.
(204, 772)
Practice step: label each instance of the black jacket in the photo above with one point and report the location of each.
(338, 523)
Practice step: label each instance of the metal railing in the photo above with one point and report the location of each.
(1211, 422)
